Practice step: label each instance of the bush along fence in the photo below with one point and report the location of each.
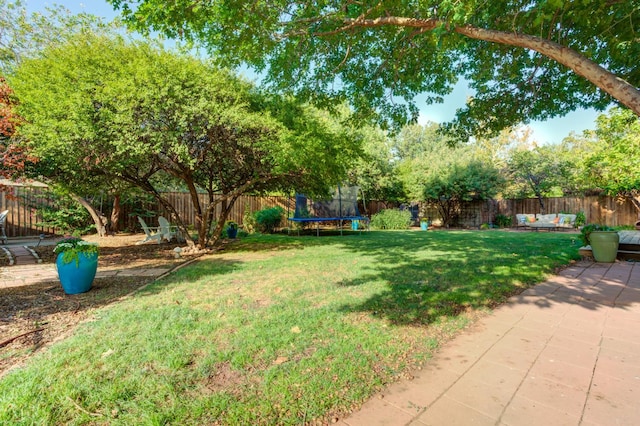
(25, 218)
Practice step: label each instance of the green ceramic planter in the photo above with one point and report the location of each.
(604, 245)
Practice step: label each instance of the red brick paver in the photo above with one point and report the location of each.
(565, 352)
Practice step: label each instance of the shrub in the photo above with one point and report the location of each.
(267, 220)
(65, 215)
(588, 229)
(72, 247)
(391, 219)
(503, 221)
(248, 220)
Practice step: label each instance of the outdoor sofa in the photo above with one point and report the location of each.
(551, 222)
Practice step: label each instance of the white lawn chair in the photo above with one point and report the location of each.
(3, 221)
(168, 232)
(151, 234)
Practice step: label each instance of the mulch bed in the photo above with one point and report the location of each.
(33, 316)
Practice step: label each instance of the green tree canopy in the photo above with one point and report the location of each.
(526, 60)
(101, 107)
(375, 171)
(25, 35)
(461, 181)
(615, 164)
(539, 172)
(420, 151)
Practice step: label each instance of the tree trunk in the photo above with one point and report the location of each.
(635, 200)
(227, 205)
(634, 197)
(541, 201)
(447, 210)
(114, 223)
(99, 219)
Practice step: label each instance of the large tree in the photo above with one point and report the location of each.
(461, 181)
(525, 59)
(539, 172)
(25, 35)
(101, 108)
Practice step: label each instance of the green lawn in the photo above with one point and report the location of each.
(278, 330)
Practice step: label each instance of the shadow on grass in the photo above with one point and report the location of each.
(431, 275)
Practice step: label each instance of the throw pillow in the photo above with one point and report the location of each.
(523, 219)
(531, 219)
(561, 221)
(556, 220)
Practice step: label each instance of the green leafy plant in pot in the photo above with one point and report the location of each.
(603, 240)
(77, 264)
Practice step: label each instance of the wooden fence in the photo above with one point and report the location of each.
(182, 203)
(597, 209)
(23, 221)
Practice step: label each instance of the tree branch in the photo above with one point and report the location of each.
(619, 89)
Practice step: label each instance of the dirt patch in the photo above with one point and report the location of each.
(116, 251)
(33, 316)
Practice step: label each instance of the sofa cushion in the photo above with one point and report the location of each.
(523, 219)
(569, 219)
(546, 218)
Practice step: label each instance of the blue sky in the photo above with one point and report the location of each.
(549, 131)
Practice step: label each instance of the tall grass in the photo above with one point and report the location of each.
(278, 330)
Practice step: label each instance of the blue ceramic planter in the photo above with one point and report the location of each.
(232, 232)
(77, 277)
(424, 226)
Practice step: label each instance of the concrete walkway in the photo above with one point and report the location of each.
(27, 269)
(19, 275)
(566, 352)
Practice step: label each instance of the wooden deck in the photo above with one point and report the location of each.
(629, 247)
(631, 238)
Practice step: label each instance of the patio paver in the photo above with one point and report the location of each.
(565, 352)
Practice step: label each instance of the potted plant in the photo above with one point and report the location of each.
(77, 264)
(424, 223)
(232, 229)
(603, 240)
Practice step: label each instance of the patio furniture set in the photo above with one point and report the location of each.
(550, 222)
